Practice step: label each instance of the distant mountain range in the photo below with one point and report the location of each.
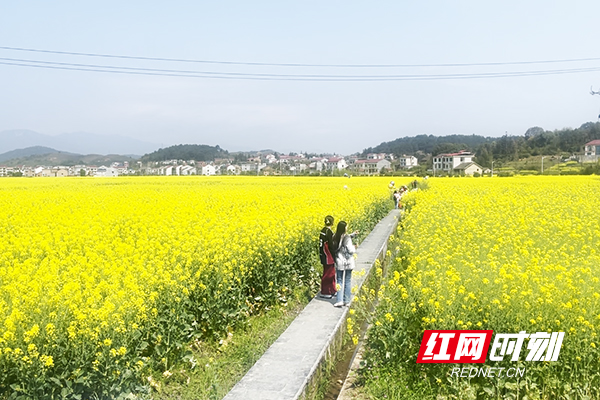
(46, 156)
(77, 142)
(26, 152)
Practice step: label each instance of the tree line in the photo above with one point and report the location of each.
(198, 152)
(534, 142)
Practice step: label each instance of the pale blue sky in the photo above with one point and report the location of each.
(340, 117)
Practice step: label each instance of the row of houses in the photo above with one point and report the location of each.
(462, 161)
(372, 164)
(63, 171)
(113, 169)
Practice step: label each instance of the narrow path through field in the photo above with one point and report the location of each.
(290, 366)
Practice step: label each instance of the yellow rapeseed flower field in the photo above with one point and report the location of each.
(101, 278)
(514, 254)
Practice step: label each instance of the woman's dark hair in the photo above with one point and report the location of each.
(337, 238)
(329, 220)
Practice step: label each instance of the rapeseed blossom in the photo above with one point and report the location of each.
(503, 254)
(100, 279)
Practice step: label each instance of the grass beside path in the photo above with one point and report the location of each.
(220, 366)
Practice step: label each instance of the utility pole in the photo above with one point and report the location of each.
(492, 169)
(593, 93)
(543, 164)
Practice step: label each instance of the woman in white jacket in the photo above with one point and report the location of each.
(344, 262)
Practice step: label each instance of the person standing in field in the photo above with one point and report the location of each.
(327, 259)
(344, 262)
(392, 189)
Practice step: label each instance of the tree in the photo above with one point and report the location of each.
(186, 152)
(533, 131)
(506, 148)
(484, 158)
(240, 157)
(448, 148)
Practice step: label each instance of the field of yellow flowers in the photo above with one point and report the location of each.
(101, 279)
(507, 254)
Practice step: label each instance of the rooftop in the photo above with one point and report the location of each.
(460, 153)
(466, 165)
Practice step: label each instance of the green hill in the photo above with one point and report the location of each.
(197, 152)
(26, 152)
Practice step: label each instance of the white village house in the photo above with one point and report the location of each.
(318, 164)
(334, 163)
(5, 171)
(406, 162)
(371, 167)
(468, 168)
(209, 169)
(187, 170)
(233, 169)
(591, 151)
(252, 167)
(592, 148)
(380, 156)
(103, 171)
(168, 170)
(447, 162)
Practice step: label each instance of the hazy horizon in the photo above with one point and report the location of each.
(294, 115)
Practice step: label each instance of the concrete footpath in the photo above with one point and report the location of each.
(289, 367)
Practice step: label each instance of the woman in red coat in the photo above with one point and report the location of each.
(327, 259)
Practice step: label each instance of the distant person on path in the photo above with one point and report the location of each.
(392, 189)
(396, 198)
(327, 259)
(344, 262)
